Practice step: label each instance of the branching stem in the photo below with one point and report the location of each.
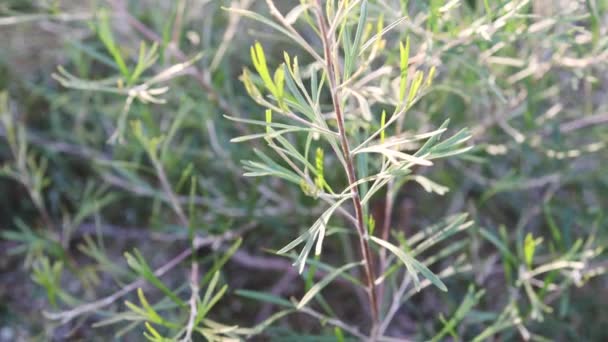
(350, 169)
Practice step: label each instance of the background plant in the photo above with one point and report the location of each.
(124, 148)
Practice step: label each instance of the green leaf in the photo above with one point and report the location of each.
(404, 53)
(264, 297)
(412, 265)
(93, 53)
(431, 76)
(555, 231)
(379, 35)
(279, 82)
(316, 288)
(462, 136)
(48, 276)
(266, 21)
(146, 311)
(529, 249)
(418, 77)
(347, 47)
(265, 124)
(257, 329)
(268, 120)
(315, 232)
(339, 335)
(394, 156)
(498, 244)
(137, 262)
(488, 9)
(319, 180)
(360, 25)
(471, 299)
(455, 224)
(449, 147)
(268, 167)
(217, 265)
(153, 335)
(154, 316)
(209, 300)
(433, 140)
(145, 60)
(371, 224)
(328, 268)
(382, 124)
(250, 87)
(429, 185)
(352, 51)
(296, 89)
(434, 15)
(107, 38)
(259, 62)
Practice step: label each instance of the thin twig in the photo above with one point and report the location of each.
(231, 30)
(396, 303)
(177, 24)
(296, 35)
(64, 17)
(134, 233)
(583, 122)
(164, 182)
(335, 322)
(194, 279)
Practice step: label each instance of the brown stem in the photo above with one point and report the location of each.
(350, 171)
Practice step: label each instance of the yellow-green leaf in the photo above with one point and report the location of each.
(405, 56)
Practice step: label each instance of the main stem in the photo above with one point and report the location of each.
(350, 171)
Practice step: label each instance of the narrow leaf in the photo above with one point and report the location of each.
(405, 56)
(412, 265)
(316, 288)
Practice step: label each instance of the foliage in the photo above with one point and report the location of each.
(366, 170)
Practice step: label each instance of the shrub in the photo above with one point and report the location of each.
(413, 170)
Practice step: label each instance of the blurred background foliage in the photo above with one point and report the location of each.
(82, 184)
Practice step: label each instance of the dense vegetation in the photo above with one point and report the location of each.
(384, 170)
